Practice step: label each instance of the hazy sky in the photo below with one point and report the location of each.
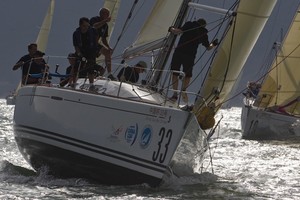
(21, 20)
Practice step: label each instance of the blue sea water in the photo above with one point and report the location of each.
(239, 169)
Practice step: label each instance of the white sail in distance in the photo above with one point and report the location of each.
(42, 39)
(154, 30)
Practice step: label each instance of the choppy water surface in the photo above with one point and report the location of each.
(241, 169)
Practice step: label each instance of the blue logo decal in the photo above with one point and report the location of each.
(146, 137)
(131, 134)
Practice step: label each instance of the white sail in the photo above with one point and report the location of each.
(236, 47)
(42, 39)
(282, 85)
(154, 30)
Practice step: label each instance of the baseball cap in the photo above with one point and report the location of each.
(72, 55)
(142, 64)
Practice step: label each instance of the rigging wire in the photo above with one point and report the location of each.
(127, 22)
(264, 75)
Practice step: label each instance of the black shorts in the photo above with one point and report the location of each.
(187, 62)
(91, 67)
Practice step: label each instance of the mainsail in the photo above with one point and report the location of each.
(282, 84)
(154, 30)
(42, 39)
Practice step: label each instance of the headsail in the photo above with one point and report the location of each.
(235, 48)
(42, 39)
(152, 34)
(282, 84)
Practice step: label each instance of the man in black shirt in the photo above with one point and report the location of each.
(193, 34)
(85, 41)
(100, 24)
(131, 74)
(25, 60)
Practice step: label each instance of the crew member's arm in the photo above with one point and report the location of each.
(18, 65)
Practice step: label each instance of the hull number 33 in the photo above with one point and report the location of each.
(163, 145)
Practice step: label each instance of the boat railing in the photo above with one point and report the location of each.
(54, 76)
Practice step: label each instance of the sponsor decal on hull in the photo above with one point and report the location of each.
(131, 134)
(146, 137)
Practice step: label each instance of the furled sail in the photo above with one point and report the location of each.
(154, 30)
(42, 39)
(282, 84)
(235, 49)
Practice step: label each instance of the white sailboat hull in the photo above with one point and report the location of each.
(262, 124)
(105, 138)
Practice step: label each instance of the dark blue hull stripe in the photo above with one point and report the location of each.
(63, 163)
(84, 145)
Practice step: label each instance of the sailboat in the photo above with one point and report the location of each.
(272, 108)
(41, 41)
(124, 133)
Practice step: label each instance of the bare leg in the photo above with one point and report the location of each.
(107, 55)
(175, 84)
(186, 83)
(91, 78)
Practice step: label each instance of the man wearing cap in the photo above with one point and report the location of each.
(71, 70)
(131, 74)
(193, 34)
(37, 70)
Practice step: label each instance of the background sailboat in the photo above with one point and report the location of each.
(232, 55)
(275, 112)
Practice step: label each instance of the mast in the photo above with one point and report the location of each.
(164, 53)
